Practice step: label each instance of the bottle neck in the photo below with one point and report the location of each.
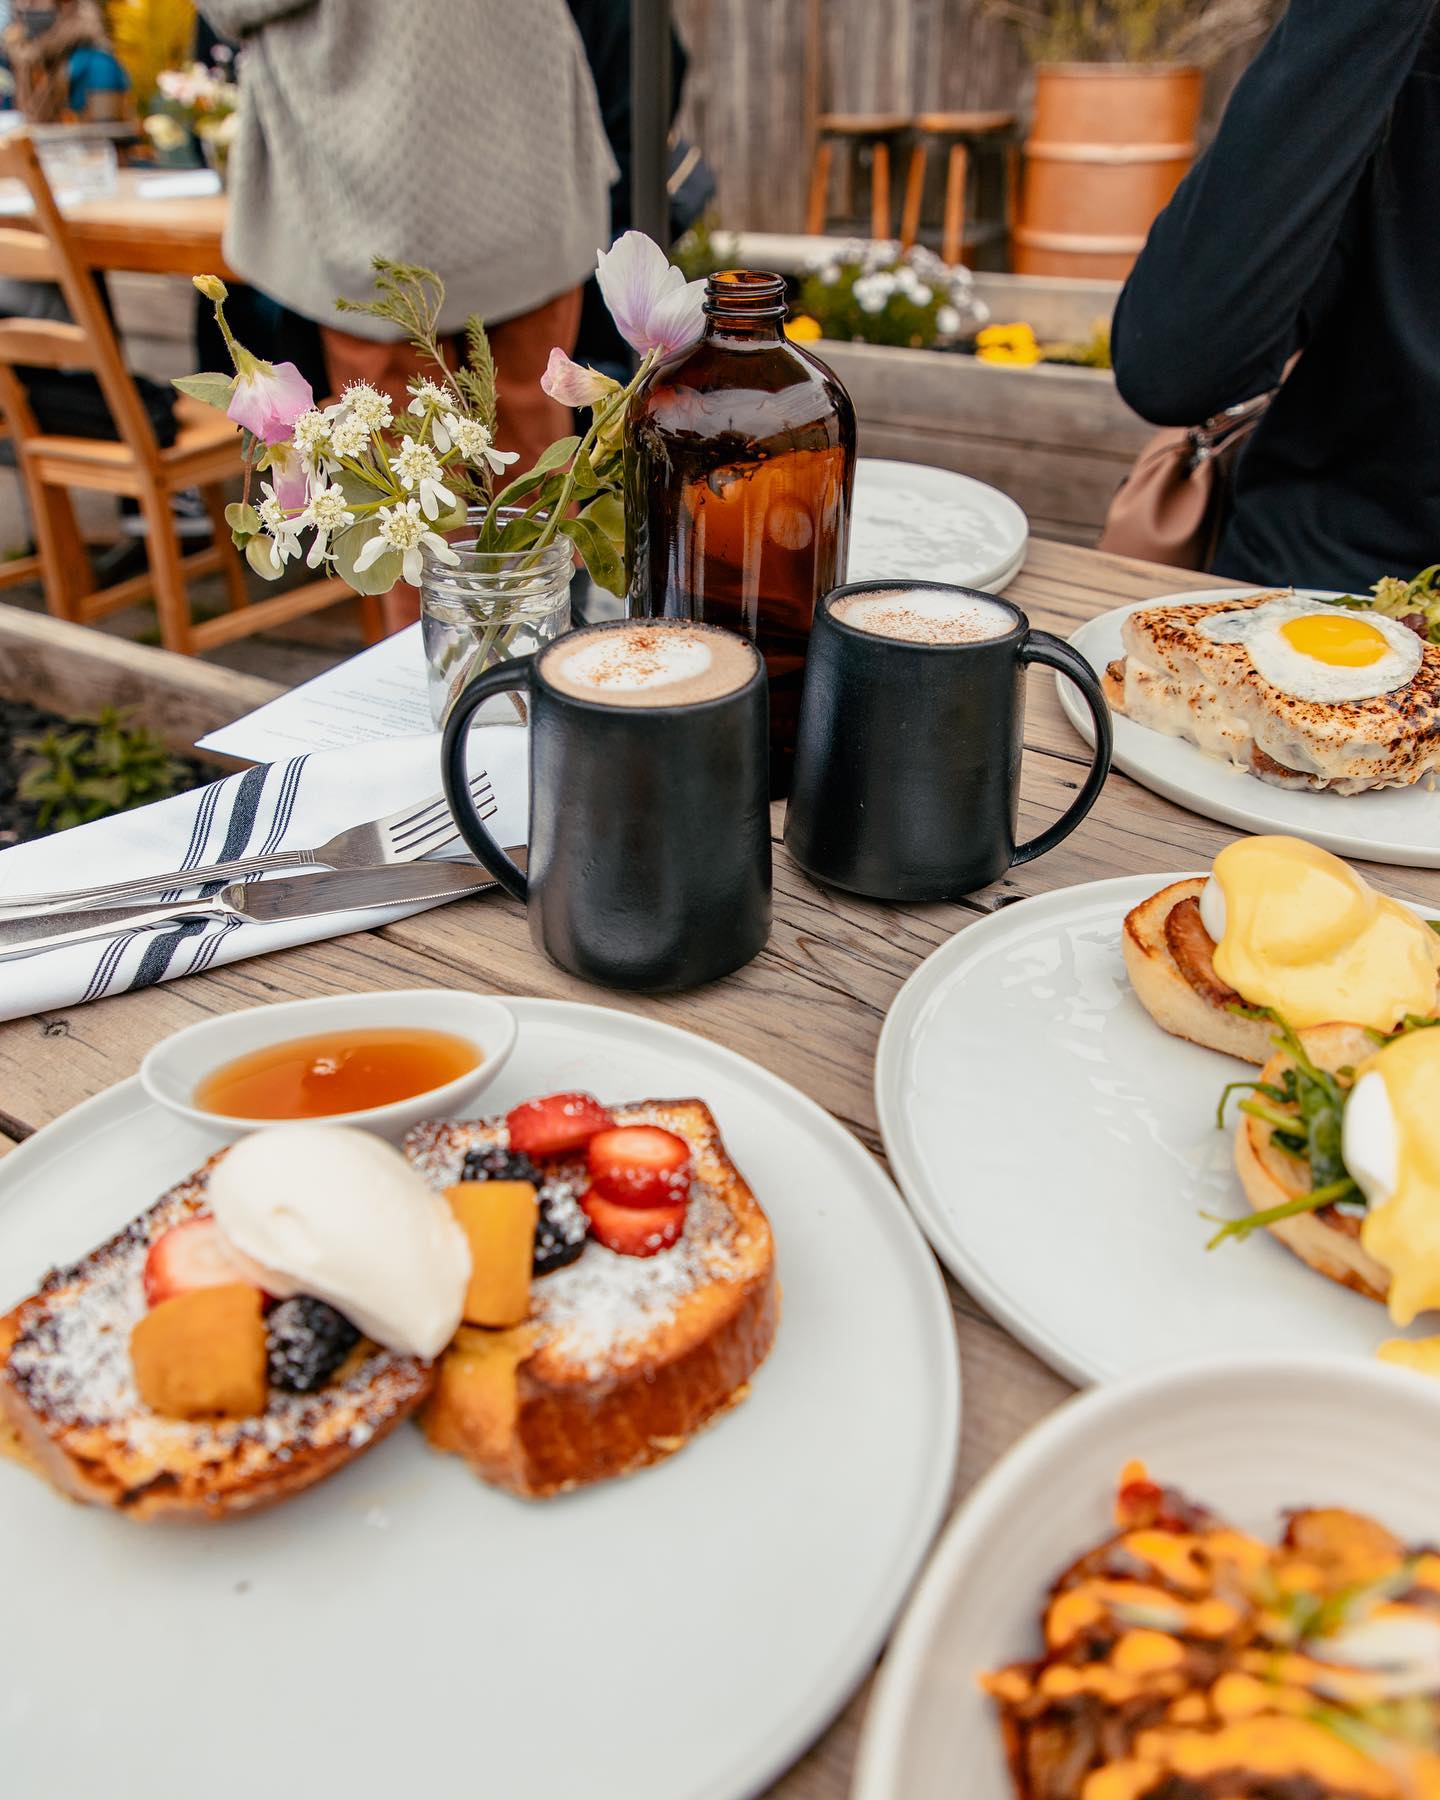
(745, 306)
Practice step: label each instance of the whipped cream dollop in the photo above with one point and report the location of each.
(336, 1213)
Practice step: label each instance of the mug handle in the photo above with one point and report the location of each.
(500, 679)
(1040, 647)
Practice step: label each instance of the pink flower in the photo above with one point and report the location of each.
(572, 384)
(287, 476)
(652, 304)
(268, 398)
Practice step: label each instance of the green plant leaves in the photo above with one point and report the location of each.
(601, 558)
(556, 457)
(261, 555)
(214, 390)
(103, 766)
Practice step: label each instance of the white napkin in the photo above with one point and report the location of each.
(274, 806)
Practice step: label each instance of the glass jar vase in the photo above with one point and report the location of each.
(488, 607)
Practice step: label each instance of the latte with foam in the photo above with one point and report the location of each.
(924, 616)
(650, 662)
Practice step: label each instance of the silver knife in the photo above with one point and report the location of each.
(254, 903)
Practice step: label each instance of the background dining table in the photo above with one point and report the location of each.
(809, 1008)
(144, 226)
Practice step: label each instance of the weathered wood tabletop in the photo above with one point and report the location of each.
(810, 1007)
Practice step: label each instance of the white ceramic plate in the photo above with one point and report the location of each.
(912, 520)
(1059, 1150)
(1395, 825)
(1249, 1436)
(403, 1630)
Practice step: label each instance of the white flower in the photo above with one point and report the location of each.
(327, 513)
(872, 292)
(830, 274)
(402, 528)
(472, 440)
(416, 465)
(280, 528)
(427, 394)
(311, 435)
(349, 436)
(368, 404)
(948, 321)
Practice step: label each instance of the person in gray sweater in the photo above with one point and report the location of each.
(464, 135)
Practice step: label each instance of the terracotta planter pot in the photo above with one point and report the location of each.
(1107, 149)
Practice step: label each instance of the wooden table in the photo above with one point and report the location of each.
(161, 236)
(810, 1008)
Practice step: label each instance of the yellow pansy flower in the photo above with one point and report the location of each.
(1007, 344)
(802, 329)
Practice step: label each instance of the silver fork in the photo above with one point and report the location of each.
(406, 835)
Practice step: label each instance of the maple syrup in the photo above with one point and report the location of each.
(336, 1072)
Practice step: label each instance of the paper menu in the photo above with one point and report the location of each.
(381, 693)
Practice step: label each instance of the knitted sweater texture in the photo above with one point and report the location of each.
(464, 135)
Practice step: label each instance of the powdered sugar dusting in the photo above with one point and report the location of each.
(600, 1311)
(71, 1364)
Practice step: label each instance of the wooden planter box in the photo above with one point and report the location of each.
(1058, 438)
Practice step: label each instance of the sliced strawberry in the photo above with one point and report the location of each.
(557, 1125)
(633, 1230)
(190, 1255)
(640, 1165)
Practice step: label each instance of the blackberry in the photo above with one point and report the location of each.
(307, 1342)
(495, 1163)
(560, 1229)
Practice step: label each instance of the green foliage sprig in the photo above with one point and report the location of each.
(101, 766)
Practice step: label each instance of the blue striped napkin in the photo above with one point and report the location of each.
(274, 806)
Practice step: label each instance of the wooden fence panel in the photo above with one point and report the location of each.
(750, 82)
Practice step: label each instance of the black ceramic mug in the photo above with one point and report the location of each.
(907, 763)
(649, 857)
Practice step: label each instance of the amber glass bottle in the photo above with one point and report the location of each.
(740, 458)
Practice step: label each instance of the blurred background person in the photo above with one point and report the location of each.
(1308, 227)
(465, 138)
(63, 64)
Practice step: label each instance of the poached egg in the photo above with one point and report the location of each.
(1391, 1145)
(1297, 930)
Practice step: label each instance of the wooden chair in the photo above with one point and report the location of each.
(855, 133)
(205, 454)
(965, 133)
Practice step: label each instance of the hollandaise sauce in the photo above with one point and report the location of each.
(1298, 930)
(1183, 1657)
(339, 1072)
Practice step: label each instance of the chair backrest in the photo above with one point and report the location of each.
(89, 342)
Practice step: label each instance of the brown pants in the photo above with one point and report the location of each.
(527, 420)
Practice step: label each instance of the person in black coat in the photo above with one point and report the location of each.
(1310, 225)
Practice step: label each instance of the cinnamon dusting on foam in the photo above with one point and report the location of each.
(918, 616)
(650, 665)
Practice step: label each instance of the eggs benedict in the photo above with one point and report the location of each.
(1283, 927)
(1338, 1151)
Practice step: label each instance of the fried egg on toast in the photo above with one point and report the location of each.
(1349, 701)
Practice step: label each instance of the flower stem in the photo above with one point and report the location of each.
(601, 417)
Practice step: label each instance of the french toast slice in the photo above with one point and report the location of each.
(622, 1359)
(69, 1405)
(1329, 1241)
(1174, 679)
